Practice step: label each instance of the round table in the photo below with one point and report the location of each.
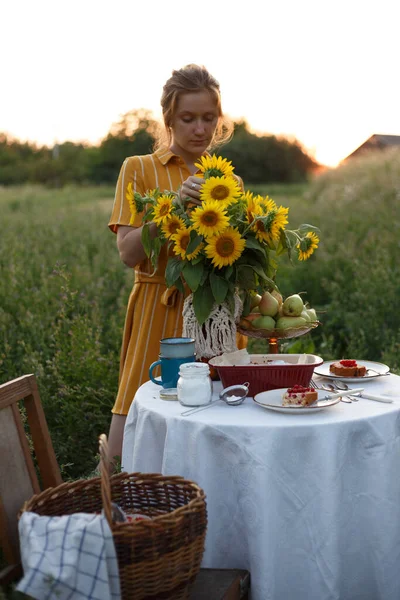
(309, 503)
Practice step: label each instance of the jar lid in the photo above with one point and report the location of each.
(169, 394)
(194, 368)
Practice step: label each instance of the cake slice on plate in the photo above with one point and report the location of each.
(299, 396)
(347, 368)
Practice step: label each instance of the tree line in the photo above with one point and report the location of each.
(257, 158)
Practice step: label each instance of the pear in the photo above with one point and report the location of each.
(305, 315)
(278, 297)
(288, 322)
(255, 300)
(244, 323)
(268, 305)
(264, 322)
(312, 314)
(293, 306)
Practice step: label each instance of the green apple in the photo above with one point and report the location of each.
(268, 305)
(264, 322)
(293, 306)
(289, 322)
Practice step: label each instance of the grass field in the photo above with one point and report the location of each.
(63, 289)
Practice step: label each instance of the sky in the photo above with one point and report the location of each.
(322, 72)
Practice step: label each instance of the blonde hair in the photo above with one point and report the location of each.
(191, 78)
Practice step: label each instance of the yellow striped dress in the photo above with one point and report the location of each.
(152, 312)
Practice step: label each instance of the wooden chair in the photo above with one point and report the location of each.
(19, 479)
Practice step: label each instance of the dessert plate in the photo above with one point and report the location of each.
(272, 400)
(377, 369)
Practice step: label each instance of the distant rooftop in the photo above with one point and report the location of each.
(376, 142)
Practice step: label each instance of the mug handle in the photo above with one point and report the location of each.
(151, 368)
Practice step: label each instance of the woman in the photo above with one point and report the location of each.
(194, 122)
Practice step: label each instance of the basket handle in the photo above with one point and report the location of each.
(105, 477)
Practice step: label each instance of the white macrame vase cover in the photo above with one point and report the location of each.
(218, 334)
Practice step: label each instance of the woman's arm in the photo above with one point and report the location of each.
(130, 245)
(129, 240)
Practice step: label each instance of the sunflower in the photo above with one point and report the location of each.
(181, 241)
(132, 203)
(214, 166)
(209, 218)
(222, 189)
(267, 203)
(252, 205)
(225, 248)
(269, 229)
(162, 208)
(307, 245)
(171, 224)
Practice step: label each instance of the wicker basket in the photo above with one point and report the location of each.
(158, 558)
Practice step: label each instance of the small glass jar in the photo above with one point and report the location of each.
(194, 385)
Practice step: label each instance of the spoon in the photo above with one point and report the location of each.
(336, 387)
(232, 396)
(378, 374)
(339, 385)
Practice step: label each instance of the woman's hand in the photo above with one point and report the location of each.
(190, 190)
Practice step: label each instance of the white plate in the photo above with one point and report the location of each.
(273, 401)
(380, 369)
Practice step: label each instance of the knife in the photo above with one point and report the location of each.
(369, 396)
(343, 393)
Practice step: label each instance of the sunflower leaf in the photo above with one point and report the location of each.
(192, 274)
(228, 272)
(304, 227)
(203, 302)
(246, 304)
(245, 276)
(156, 249)
(252, 242)
(195, 241)
(219, 287)
(145, 237)
(173, 271)
(179, 285)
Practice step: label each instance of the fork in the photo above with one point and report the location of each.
(345, 399)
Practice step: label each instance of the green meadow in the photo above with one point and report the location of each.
(63, 289)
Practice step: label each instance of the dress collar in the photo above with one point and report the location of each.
(164, 155)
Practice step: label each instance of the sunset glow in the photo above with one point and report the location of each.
(324, 74)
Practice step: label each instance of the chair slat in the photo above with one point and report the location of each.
(19, 480)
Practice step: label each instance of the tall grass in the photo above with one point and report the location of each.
(354, 278)
(64, 290)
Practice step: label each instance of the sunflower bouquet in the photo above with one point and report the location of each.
(227, 245)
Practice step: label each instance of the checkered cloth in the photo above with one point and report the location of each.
(68, 558)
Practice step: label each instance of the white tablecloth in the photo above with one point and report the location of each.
(309, 504)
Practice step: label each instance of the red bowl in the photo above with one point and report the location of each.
(262, 376)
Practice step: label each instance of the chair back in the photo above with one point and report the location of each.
(27, 461)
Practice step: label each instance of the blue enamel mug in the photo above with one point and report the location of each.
(177, 347)
(169, 370)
